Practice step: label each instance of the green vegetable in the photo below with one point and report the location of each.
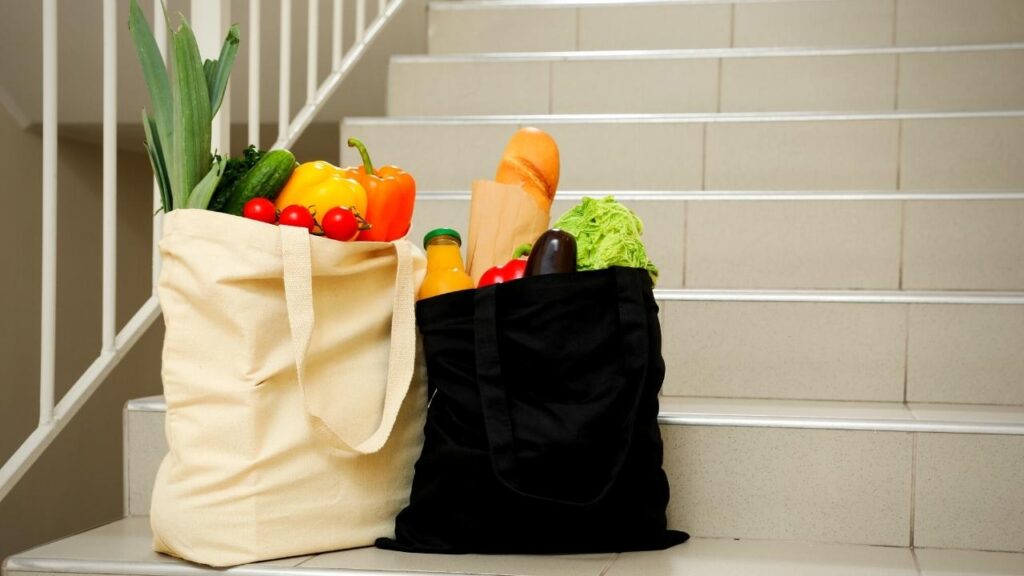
(607, 234)
(178, 135)
(234, 169)
(264, 180)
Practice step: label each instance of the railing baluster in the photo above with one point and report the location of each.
(336, 35)
(48, 328)
(360, 20)
(285, 76)
(160, 34)
(254, 72)
(210, 20)
(109, 174)
(312, 37)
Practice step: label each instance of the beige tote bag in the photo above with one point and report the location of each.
(294, 418)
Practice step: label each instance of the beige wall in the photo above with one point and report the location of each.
(77, 482)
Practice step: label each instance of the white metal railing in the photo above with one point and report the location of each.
(210, 22)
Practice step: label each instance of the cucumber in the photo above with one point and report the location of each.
(264, 180)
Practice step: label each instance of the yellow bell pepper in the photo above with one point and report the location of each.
(321, 186)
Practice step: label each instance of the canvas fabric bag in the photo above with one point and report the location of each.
(294, 417)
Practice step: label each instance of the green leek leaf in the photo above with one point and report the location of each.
(201, 194)
(219, 84)
(155, 74)
(156, 159)
(192, 117)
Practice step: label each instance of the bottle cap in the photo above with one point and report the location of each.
(441, 232)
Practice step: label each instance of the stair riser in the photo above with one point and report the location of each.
(950, 490)
(813, 244)
(827, 23)
(844, 351)
(851, 154)
(990, 80)
(815, 485)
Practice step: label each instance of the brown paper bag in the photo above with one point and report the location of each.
(502, 217)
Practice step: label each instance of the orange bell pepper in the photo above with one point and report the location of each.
(390, 198)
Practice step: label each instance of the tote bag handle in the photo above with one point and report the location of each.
(633, 328)
(298, 289)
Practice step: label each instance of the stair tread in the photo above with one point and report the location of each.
(677, 117)
(814, 414)
(124, 548)
(673, 53)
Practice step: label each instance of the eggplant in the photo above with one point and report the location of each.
(553, 253)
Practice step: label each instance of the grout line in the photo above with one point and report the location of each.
(917, 563)
(686, 238)
(551, 87)
(906, 354)
(895, 20)
(896, 84)
(903, 243)
(704, 157)
(607, 568)
(899, 154)
(721, 67)
(732, 25)
(913, 489)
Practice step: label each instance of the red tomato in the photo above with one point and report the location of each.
(260, 209)
(299, 216)
(340, 224)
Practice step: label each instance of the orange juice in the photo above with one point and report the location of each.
(445, 271)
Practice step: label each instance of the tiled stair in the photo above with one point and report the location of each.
(834, 192)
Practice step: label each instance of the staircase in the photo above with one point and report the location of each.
(834, 192)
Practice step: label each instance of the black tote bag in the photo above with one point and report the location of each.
(542, 432)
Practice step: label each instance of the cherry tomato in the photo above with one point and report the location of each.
(260, 209)
(340, 224)
(299, 216)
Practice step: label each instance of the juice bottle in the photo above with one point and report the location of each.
(445, 271)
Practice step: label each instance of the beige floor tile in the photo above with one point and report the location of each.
(966, 354)
(431, 214)
(372, 559)
(468, 88)
(441, 156)
(664, 234)
(962, 81)
(628, 156)
(508, 29)
(928, 22)
(766, 558)
(962, 153)
(129, 540)
(812, 485)
(811, 244)
(839, 155)
(969, 563)
(808, 83)
(970, 245)
(968, 492)
(835, 410)
(634, 86)
(784, 350)
(146, 448)
(637, 27)
(820, 24)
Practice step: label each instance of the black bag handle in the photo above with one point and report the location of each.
(494, 400)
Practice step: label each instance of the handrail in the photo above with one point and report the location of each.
(53, 417)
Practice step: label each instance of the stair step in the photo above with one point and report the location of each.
(123, 548)
(724, 80)
(873, 473)
(819, 240)
(779, 151)
(513, 25)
